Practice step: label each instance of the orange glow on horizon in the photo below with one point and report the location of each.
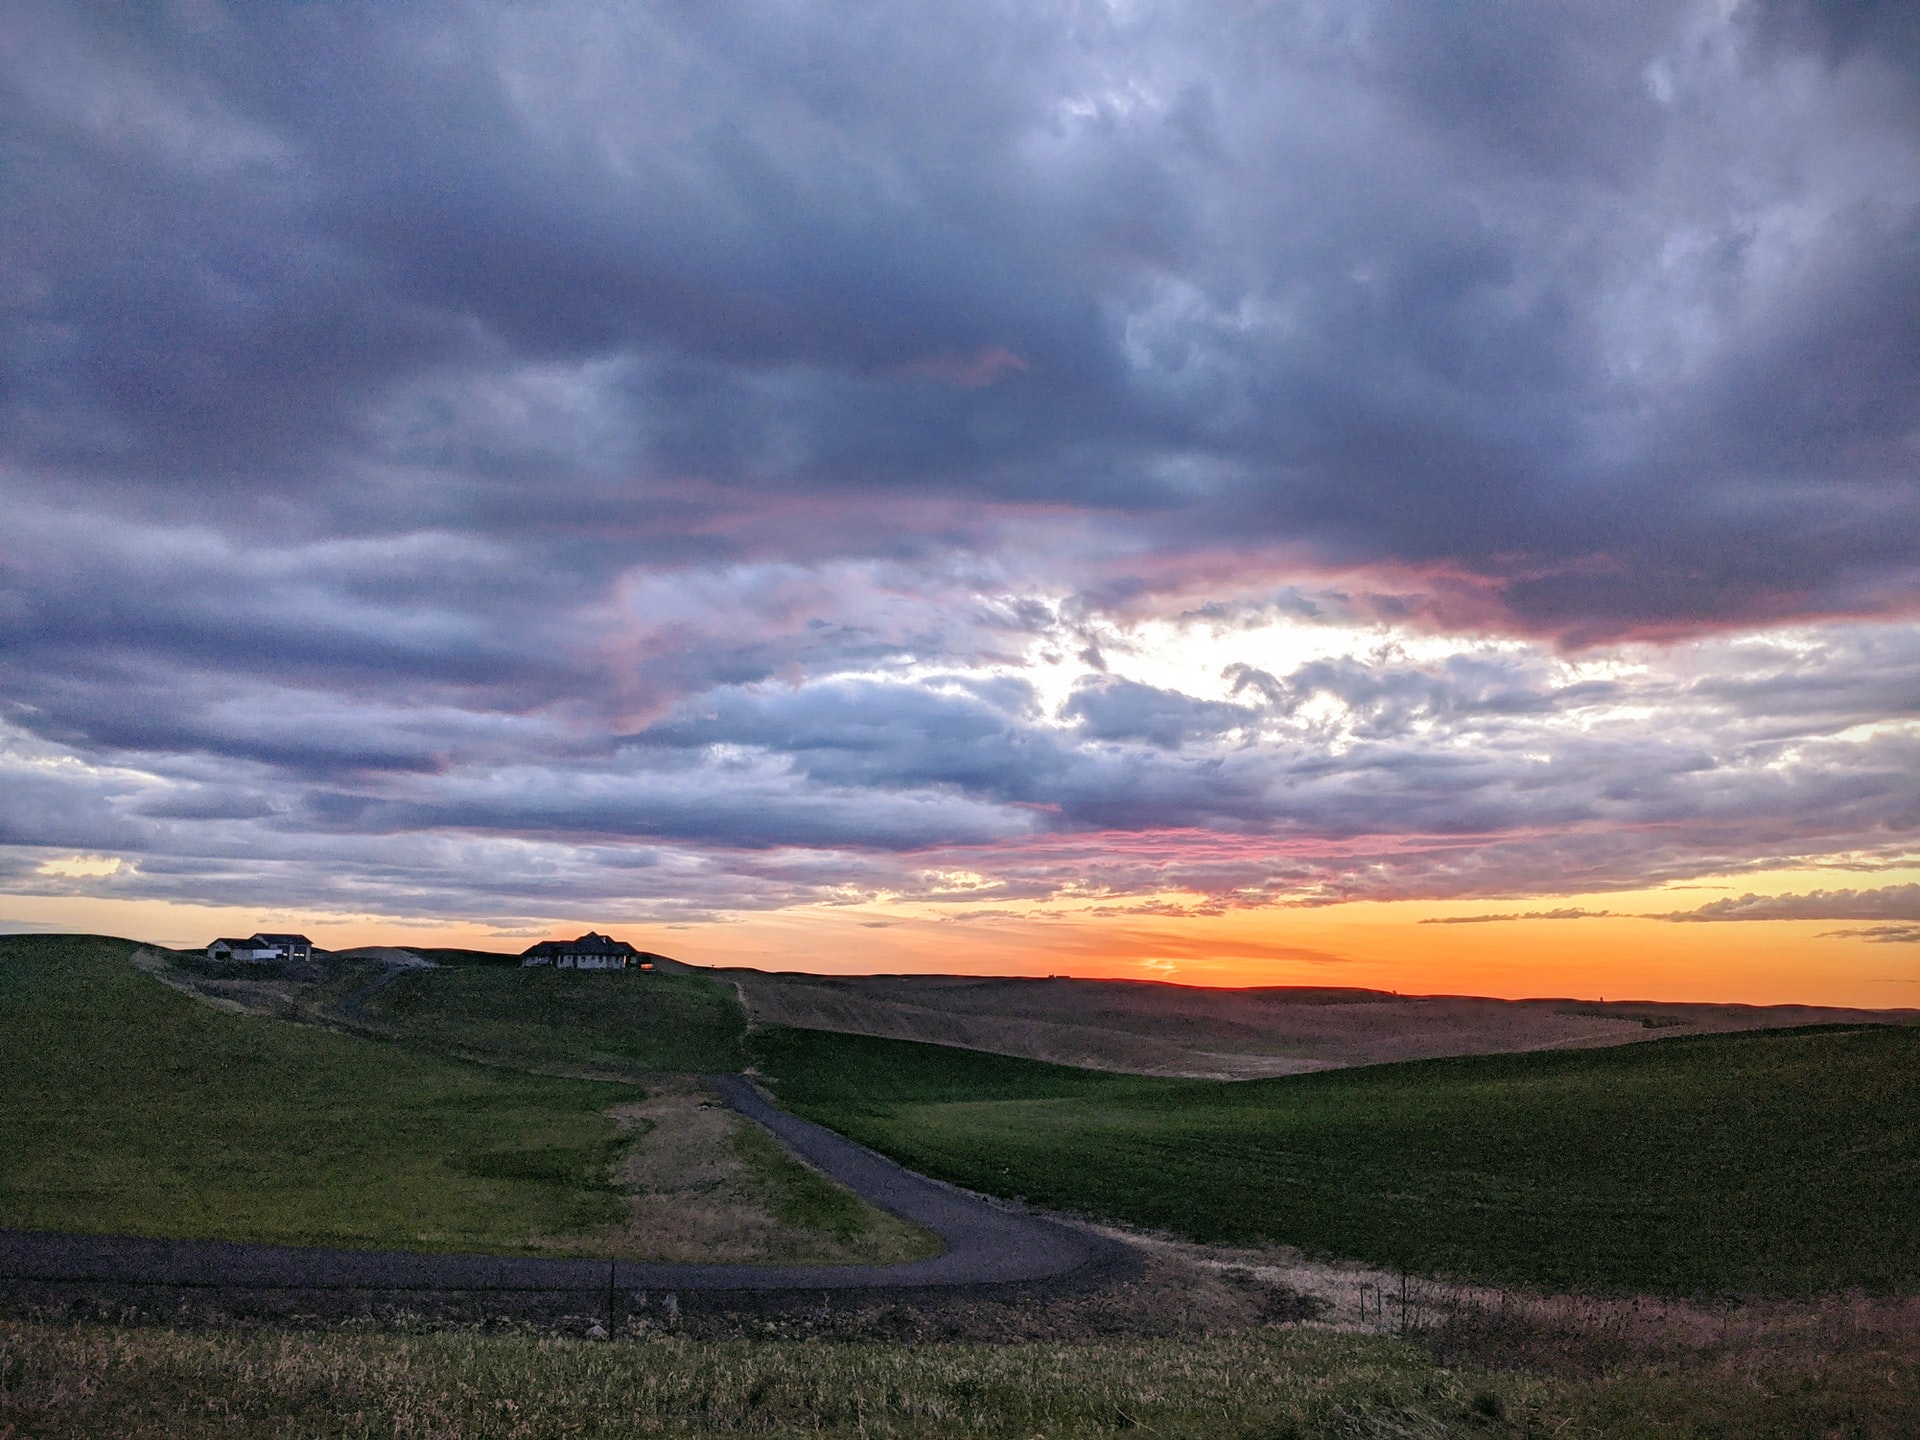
(1369, 945)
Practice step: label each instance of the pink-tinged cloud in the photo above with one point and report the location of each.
(971, 371)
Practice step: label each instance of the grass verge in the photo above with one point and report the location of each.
(1773, 1162)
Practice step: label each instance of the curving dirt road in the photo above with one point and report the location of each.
(990, 1251)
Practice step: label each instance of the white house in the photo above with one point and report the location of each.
(261, 947)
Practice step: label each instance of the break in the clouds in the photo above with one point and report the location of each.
(509, 461)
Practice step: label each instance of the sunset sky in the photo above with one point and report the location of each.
(1423, 496)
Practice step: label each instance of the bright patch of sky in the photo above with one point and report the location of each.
(73, 867)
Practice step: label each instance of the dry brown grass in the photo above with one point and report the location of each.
(61, 1382)
(1182, 1365)
(691, 1195)
(1520, 1328)
(696, 1194)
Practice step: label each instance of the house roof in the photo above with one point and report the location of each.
(277, 939)
(232, 942)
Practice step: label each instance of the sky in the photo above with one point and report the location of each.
(1404, 495)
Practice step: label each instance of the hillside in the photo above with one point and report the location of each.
(605, 1021)
(130, 1108)
(1778, 1162)
(1153, 1028)
(140, 1095)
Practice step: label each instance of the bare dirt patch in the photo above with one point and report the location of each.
(1152, 1028)
(1334, 1294)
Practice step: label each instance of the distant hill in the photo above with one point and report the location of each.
(1154, 1028)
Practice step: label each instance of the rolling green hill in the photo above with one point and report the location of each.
(128, 1108)
(619, 1020)
(1782, 1162)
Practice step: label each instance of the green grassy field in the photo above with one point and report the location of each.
(1782, 1162)
(128, 1108)
(622, 1020)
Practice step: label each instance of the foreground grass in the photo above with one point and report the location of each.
(626, 1020)
(1781, 1162)
(139, 1383)
(128, 1108)
(59, 1381)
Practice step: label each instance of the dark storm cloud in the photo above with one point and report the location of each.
(1573, 301)
(604, 432)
